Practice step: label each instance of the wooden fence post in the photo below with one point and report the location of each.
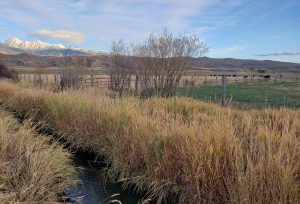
(223, 101)
(92, 80)
(136, 86)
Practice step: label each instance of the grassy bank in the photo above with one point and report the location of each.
(286, 94)
(31, 169)
(179, 149)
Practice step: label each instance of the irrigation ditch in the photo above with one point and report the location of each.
(92, 187)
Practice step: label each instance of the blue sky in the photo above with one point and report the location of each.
(248, 29)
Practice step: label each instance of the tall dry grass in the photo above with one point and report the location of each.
(31, 169)
(178, 150)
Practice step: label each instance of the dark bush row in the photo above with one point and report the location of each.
(8, 73)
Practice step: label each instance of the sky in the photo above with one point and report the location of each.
(246, 29)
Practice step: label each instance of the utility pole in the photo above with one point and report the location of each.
(223, 101)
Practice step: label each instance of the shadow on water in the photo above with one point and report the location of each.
(92, 189)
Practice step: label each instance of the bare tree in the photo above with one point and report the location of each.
(71, 73)
(163, 59)
(120, 67)
(159, 63)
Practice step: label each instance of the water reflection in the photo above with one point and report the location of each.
(92, 187)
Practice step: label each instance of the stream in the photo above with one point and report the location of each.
(92, 189)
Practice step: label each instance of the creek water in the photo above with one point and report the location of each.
(93, 189)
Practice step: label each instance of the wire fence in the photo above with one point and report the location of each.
(254, 91)
(102, 80)
(249, 95)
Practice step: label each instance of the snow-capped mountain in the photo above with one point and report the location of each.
(15, 45)
(9, 50)
(31, 46)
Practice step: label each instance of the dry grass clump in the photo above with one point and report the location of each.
(178, 150)
(31, 169)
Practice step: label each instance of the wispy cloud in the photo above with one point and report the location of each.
(290, 3)
(224, 24)
(66, 36)
(279, 54)
(276, 36)
(226, 51)
(129, 19)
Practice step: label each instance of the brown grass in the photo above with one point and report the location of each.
(31, 169)
(178, 150)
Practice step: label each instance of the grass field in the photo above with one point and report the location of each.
(32, 169)
(257, 96)
(178, 150)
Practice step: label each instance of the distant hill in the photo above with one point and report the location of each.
(33, 60)
(58, 52)
(203, 63)
(244, 64)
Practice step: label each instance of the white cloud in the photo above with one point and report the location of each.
(67, 36)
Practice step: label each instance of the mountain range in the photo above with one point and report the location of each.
(202, 64)
(15, 45)
(15, 52)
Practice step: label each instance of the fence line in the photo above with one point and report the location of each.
(211, 89)
(103, 81)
